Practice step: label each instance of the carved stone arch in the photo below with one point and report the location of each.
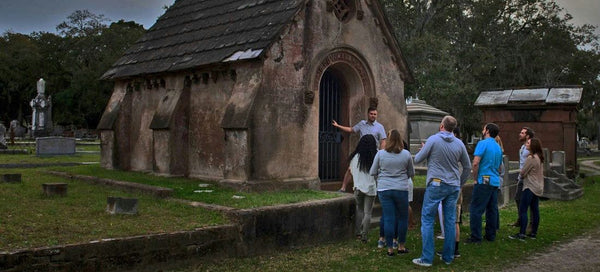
(347, 101)
(353, 67)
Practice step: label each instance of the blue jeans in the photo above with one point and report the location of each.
(485, 199)
(528, 199)
(448, 195)
(382, 227)
(395, 215)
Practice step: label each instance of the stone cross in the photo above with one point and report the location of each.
(41, 123)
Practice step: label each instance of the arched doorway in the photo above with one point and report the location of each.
(346, 90)
(330, 138)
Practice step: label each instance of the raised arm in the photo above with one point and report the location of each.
(343, 128)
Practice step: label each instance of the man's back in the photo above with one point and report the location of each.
(443, 152)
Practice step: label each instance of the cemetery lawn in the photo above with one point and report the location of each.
(560, 221)
(29, 219)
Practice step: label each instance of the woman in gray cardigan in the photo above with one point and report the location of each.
(393, 167)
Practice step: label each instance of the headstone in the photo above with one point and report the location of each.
(558, 161)
(119, 205)
(54, 189)
(12, 178)
(546, 162)
(41, 120)
(2, 139)
(504, 196)
(12, 130)
(54, 146)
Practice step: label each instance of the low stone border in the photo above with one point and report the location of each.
(130, 186)
(125, 253)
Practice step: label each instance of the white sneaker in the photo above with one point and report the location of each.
(421, 262)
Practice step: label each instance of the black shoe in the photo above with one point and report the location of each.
(390, 254)
(518, 236)
(403, 251)
(473, 241)
(490, 239)
(532, 236)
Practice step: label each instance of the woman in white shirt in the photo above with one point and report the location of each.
(364, 184)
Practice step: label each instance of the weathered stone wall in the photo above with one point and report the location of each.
(125, 253)
(314, 42)
(208, 100)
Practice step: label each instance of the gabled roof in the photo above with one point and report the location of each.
(194, 33)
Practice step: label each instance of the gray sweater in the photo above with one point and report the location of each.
(443, 153)
(392, 170)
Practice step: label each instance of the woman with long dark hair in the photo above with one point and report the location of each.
(364, 184)
(533, 188)
(393, 167)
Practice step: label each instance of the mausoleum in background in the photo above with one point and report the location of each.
(550, 112)
(424, 121)
(244, 92)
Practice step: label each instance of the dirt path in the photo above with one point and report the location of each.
(580, 254)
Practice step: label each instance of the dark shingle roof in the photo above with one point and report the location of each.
(193, 33)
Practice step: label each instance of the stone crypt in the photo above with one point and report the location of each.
(550, 112)
(243, 92)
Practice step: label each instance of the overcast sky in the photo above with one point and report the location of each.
(26, 16)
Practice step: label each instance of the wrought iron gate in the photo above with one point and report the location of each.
(330, 137)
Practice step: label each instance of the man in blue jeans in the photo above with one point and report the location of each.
(443, 152)
(487, 163)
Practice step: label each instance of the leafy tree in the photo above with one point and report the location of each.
(82, 23)
(458, 48)
(19, 70)
(71, 63)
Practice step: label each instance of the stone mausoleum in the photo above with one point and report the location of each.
(424, 121)
(243, 92)
(550, 112)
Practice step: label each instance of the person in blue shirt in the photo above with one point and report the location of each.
(487, 166)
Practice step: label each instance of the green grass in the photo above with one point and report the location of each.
(559, 221)
(33, 159)
(185, 188)
(30, 219)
